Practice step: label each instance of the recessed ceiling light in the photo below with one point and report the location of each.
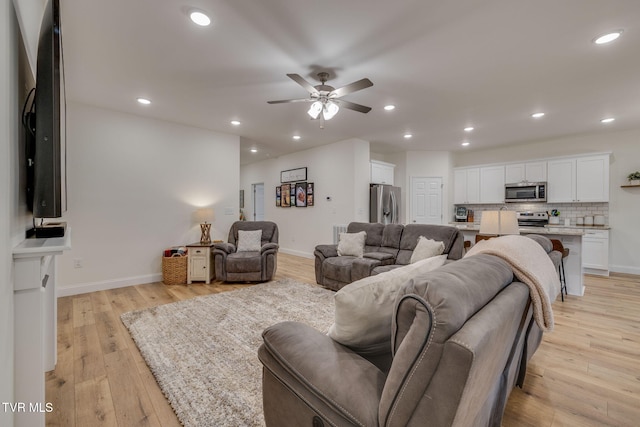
(144, 101)
(607, 38)
(537, 115)
(407, 136)
(464, 144)
(199, 18)
(607, 120)
(254, 150)
(389, 107)
(468, 128)
(235, 122)
(296, 137)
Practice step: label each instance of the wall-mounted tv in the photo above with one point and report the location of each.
(45, 122)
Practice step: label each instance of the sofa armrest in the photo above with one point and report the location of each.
(384, 257)
(315, 366)
(269, 247)
(227, 248)
(363, 267)
(327, 251)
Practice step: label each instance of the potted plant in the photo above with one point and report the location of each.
(634, 178)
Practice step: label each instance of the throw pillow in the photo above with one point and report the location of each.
(426, 248)
(352, 244)
(249, 241)
(363, 309)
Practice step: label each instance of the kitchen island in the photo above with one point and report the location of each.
(571, 237)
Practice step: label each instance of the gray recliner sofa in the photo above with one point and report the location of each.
(461, 337)
(386, 247)
(253, 266)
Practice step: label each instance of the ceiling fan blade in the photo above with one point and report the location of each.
(352, 106)
(302, 82)
(355, 86)
(284, 101)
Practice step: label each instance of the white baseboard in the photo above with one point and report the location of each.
(83, 288)
(625, 269)
(296, 253)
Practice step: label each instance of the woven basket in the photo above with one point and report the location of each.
(174, 270)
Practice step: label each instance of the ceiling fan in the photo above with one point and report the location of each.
(325, 99)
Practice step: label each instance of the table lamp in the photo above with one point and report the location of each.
(499, 223)
(204, 216)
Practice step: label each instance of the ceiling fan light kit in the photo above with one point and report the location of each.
(325, 99)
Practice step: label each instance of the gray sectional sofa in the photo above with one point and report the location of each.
(386, 247)
(460, 341)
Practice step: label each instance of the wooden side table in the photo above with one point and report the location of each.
(200, 267)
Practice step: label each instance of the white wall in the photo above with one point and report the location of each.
(9, 134)
(339, 171)
(624, 203)
(133, 186)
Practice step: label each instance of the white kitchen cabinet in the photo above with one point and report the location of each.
(595, 252)
(466, 185)
(530, 171)
(592, 179)
(492, 184)
(561, 181)
(382, 172)
(580, 179)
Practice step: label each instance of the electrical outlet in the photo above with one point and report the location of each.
(77, 263)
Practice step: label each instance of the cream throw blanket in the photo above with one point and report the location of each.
(532, 266)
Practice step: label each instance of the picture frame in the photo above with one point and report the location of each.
(309, 193)
(301, 194)
(278, 198)
(285, 194)
(293, 175)
(241, 199)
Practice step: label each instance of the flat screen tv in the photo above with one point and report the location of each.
(46, 139)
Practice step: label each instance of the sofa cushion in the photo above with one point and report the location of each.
(352, 244)
(338, 268)
(244, 262)
(426, 248)
(363, 308)
(249, 241)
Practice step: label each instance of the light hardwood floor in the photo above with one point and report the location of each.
(585, 373)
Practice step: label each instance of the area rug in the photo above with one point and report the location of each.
(203, 352)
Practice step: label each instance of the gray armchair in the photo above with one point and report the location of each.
(247, 266)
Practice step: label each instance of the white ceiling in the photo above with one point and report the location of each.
(444, 64)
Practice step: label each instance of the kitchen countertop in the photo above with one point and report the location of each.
(572, 230)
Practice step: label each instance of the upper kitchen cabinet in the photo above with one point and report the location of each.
(466, 185)
(382, 172)
(531, 172)
(492, 180)
(581, 179)
(592, 179)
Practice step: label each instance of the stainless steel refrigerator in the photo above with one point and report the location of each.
(384, 204)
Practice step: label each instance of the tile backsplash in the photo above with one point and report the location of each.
(567, 210)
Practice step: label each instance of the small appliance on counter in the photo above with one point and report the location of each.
(461, 214)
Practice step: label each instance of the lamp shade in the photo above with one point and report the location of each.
(315, 109)
(499, 223)
(330, 109)
(203, 215)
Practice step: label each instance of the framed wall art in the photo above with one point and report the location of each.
(293, 175)
(278, 199)
(285, 194)
(309, 193)
(301, 194)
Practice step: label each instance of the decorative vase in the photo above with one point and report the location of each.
(634, 182)
(554, 220)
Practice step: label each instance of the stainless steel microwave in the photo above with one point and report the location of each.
(525, 192)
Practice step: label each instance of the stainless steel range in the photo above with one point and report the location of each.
(532, 219)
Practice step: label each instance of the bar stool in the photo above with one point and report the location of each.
(558, 246)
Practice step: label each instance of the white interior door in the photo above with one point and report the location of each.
(258, 202)
(426, 200)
